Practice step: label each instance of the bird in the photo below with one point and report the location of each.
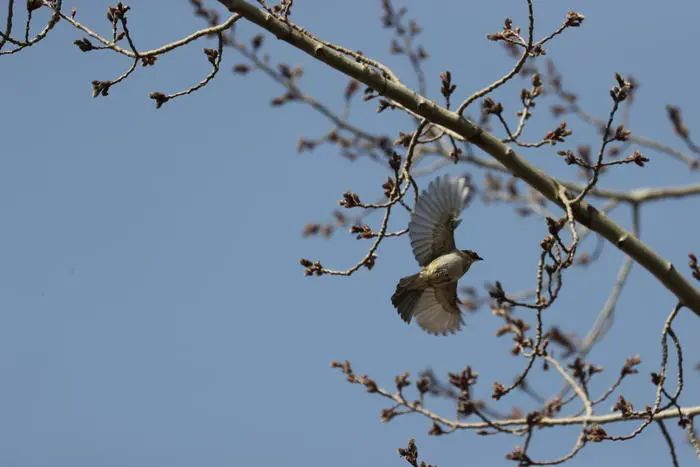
(430, 296)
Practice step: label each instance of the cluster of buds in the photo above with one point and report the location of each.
(637, 158)
(389, 186)
(489, 107)
(630, 366)
(363, 231)
(623, 406)
(349, 200)
(584, 371)
(553, 406)
(621, 133)
(410, 453)
(283, 99)
(289, 73)
(463, 381)
(326, 229)
(622, 91)
(515, 326)
(528, 96)
(595, 433)
(101, 88)
(212, 56)
(351, 377)
(507, 34)
(499, 390)
(555, 226)
(316, 229)
(311, 268)
(497, 293)
(159, 98)
(518, 455)
(117, 13)
(574, 19)
(395, 161)
(447, 88)
(571, 159)
(149, 60)
(547, 243)
(558, 134)
(84, 44)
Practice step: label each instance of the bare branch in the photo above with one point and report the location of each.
(663, 270)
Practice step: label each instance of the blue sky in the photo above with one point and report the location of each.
(154, 312)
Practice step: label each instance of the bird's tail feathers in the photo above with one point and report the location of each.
(408, 292)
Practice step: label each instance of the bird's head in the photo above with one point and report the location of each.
(473, 256)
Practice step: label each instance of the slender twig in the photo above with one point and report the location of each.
(582, 395)
(230, 21)
(299, 95)
(395, 196)
(53, 20)
(516, 69)
(669, 442)
(606, 139)
(661, 379)
(216, 65)
(576, 109)
(521, 423)
(660, 268)
(8, 24)
(605, 316)
(693, 437)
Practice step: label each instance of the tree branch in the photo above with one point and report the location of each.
(670, 413)
(584, 213)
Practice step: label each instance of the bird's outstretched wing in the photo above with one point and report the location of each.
(437, 311)
(434, 217)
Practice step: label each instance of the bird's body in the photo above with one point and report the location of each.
(431, 295)
(442, 270)
(447, 268)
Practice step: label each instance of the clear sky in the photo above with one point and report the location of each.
(153, 308)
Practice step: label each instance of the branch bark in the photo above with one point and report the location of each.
(548, 186)
(615, 417)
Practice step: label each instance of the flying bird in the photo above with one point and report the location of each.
(430, 296)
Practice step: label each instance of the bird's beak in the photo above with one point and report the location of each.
(478, 258)
(457, 222)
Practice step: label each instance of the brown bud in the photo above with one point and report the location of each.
(630, 365)
(241, 68)
(212, 55)
(623, 406)
(84, 44)
(159, 99)
(595, 433)
(574, 19)
(436, 430)
(498, 390)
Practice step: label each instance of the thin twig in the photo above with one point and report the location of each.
(669, 442)
(516, 69)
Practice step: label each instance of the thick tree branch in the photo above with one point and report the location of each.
(584, 213)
